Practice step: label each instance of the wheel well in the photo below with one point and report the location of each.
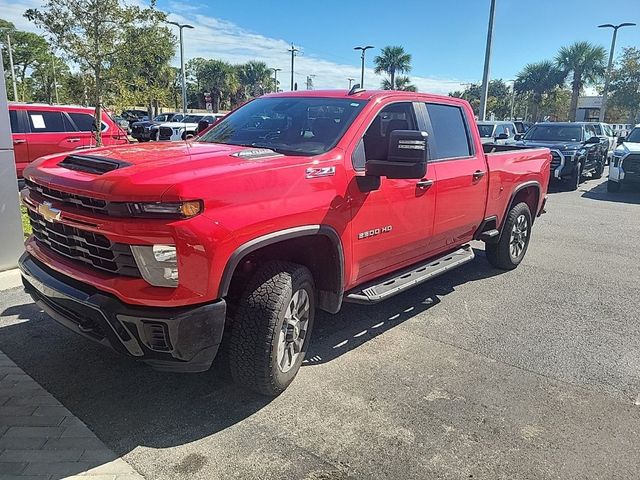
(530, 195)
(318, 253)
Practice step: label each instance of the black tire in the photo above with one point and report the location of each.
(258, 324)
(613, 187)
(574, 180)
(500, 254)
(599, 169)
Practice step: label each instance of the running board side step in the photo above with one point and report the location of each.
(403, 280)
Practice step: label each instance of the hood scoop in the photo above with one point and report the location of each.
(256, 153)
(92, 164)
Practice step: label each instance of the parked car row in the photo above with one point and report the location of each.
(173, 126)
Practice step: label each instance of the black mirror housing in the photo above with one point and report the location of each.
(621, 140)
(518, 136)
(502, 136)
(593, 140)
(406, 157)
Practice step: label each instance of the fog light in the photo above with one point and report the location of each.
(158, 264)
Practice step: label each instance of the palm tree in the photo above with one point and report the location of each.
(538, 79)
(402, 83)
(255, 77)
(585, 63)
(393, 60)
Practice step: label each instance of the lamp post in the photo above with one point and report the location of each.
(13, 73)
(487, 62)
(608, 73)
(275, 77)
(182, 73)
(363, 50)
(293, 50)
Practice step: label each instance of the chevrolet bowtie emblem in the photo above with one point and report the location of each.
(49, 213)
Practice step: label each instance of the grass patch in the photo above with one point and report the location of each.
(26, 226)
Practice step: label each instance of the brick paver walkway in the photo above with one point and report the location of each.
(40, 439)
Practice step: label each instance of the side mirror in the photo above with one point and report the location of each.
(621, 140)
(406, 158)
(502, 136)
(518, 136)
(593, 140)
(202, 125)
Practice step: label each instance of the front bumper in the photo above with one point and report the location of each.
(170, 339)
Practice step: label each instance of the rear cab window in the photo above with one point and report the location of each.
(85, 122)
(449, 136)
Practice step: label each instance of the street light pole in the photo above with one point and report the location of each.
(363, 50)
(13, 73)
(182, 72)
(513, 98)
(275, 77)
(487, 62)
(608, 72)
(293, 51)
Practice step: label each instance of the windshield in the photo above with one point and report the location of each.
(555, 133)
(189, 119)
(290, 125)
(634, 136)
(486, 130)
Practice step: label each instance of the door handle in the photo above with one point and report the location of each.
(19, 141)
(73, 140)
(478, 174)
(424, 184)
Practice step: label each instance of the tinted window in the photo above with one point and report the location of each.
(450, 139)
(563, 133)
(16, 127)
(44, 121)
(292, 125)
(485, 130)
(634, 136)
(597, 128)
(83, 121)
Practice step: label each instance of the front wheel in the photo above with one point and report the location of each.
(574, 179)
(509, 251)
(271, 329)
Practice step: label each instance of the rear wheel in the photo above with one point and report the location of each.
(510, 249)
(271, 329)
(613, 187)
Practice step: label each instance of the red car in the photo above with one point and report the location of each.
(294, 202)
(40, 130)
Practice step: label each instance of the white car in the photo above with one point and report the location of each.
(184, 129)
(625, 166)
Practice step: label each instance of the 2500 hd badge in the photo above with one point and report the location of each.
(374, 232)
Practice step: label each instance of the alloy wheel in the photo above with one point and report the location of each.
(519, 234)
(294, 330)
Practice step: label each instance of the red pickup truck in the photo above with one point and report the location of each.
(294, 202)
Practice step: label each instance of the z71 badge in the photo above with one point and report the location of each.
(374, 232)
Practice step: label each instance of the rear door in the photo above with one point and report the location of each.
(461, 175)
(20, 141)
(391, 222)
(50, 132)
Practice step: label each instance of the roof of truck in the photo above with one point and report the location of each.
(362, 94)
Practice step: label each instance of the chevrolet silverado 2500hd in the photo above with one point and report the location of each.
(294, 202)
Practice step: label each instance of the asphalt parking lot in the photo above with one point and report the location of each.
(482, 374)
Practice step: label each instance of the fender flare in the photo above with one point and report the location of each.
(278, 236)
(518, 189)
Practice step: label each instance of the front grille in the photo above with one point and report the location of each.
(93, 205)
(555, 160)
(85, 247)
(165, 133)
(631, 165)
(157, 336)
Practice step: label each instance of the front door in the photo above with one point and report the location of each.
(392, 222)
(461, 176)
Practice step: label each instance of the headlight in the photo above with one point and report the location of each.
(156, 209)
(617, 157)
(158, 264)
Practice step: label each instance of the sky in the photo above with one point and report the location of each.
(446, 39)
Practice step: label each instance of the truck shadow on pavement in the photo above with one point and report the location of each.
(629, 194)
(127, 404)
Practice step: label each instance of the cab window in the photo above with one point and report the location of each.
(450, 135)
(42, 121)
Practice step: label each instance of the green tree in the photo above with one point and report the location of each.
(392, 60)
(498, 101)
(403, 83)
(538, 79)
(91, 33)
(625, 85)
(255, 78)
(584, 63)
(217, 77)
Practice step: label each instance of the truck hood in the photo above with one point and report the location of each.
(551, 145)
(628, 147)
(147, 171)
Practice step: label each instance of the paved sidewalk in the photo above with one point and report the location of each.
(40, 439)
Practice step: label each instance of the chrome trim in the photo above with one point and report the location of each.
(556, 172)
